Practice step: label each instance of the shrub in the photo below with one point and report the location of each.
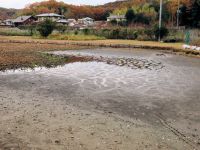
(115, 34)
(132, 34)
(122, 23)
(46, 28)
(86, 31)
(113, 22)
(162, 32)
(76, 32)
(61, 28)
(74, 37)
(118, 33)
(149, 34)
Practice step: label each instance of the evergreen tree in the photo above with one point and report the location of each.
(46, 28)
(130, 15)
(195, 14)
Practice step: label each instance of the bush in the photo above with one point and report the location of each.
(118, 33)
(61, 28)
(172, 39)
(162, 32)
(30, 28)
(114, 34)
(132, 34)
(46, 28)
(113, 22)
(149, 34)
(76, 32)
(74, 37)
(86, 31)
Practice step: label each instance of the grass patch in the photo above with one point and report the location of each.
(14, 32)
(78, 37)
(50, 60)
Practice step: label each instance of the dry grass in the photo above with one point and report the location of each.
(73, 37)
(107, 42)
(19, 55)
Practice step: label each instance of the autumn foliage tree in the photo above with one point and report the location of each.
(147, 10)
(70, 11)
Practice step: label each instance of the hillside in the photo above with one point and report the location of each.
(72, 11)
(8, 13)
(146, 10)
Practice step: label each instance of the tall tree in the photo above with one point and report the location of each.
(130, 15)
(195, 14)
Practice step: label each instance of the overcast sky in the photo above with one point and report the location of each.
(22, 3)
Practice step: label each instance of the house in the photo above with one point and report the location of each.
(2, 23)
(117, 18)
(62, 21)
(100, 25)
(51, 16)
(8, 22)
(86, 21)
(71, 22)
(23, 20)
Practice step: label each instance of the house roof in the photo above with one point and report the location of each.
(8, 20)
(62, 21)
(21, 19)
(71, 20)
(49, 15)
(116, 17)
(86, 18)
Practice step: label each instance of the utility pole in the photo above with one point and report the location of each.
(178, 13)
(160, 18)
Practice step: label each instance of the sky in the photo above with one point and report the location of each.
(22, 3)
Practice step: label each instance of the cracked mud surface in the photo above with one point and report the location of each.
(94, 105)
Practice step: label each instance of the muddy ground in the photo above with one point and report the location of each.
(95, 105)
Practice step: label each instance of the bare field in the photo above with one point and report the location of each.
(175, 48)
(16, 55)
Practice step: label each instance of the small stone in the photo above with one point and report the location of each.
(57, 141)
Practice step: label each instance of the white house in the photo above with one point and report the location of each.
(62, 21)
(51, 16)
(117, 18)
(8, 22)
(71, 22)
(86, 21)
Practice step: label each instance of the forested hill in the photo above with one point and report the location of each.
(8, 13)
